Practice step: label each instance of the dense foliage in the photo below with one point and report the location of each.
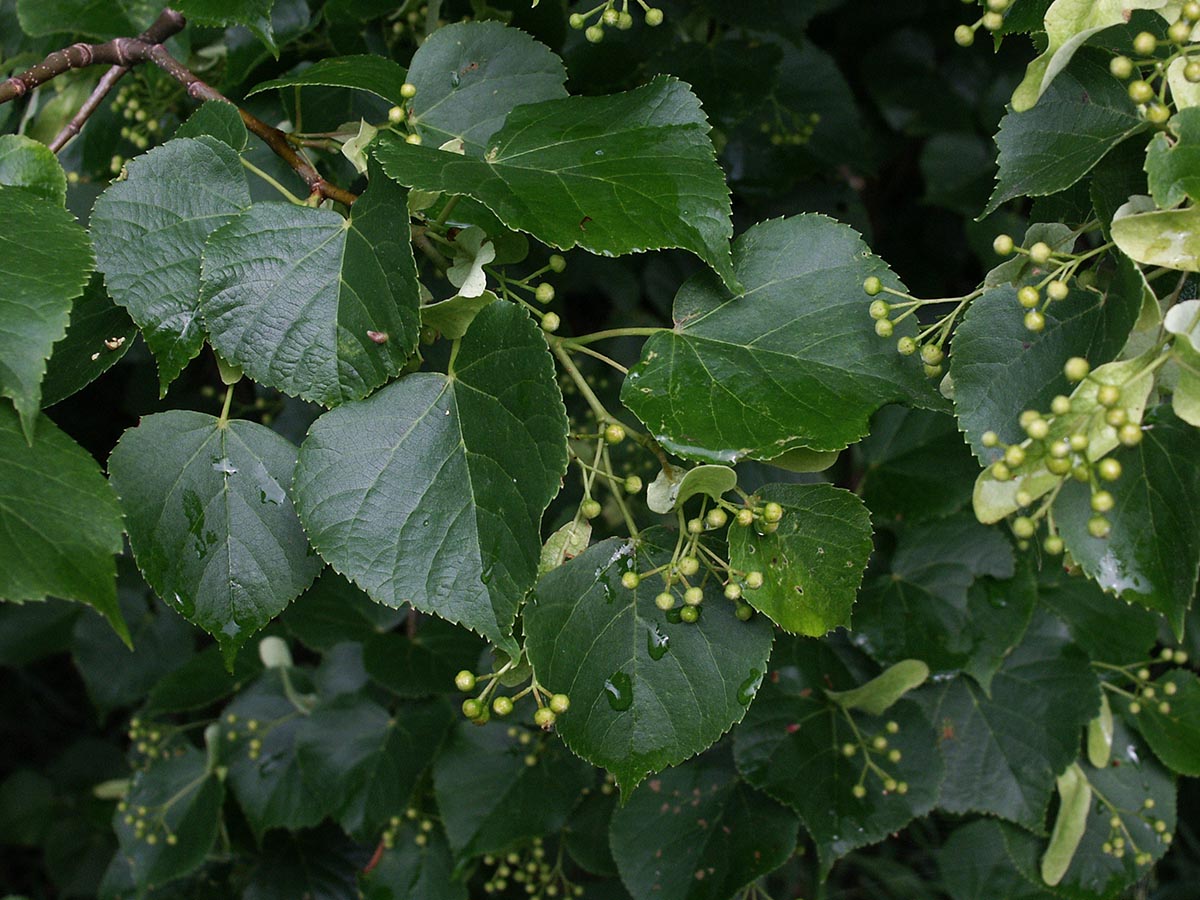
(530, 449)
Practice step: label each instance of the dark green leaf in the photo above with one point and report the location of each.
(219, 120)
(409, 870)
(1004, 748)
(175, 796)
(375, 74)
(254, 14)
(423, 664)
(813, 564)
(1082, 115)
(487, 447)
(918, 466)
(798, 344)
(27, 807)
(470, 76)
(94, 18)
(99, 335)
(202, 681)
(361, 762)
(33, 631)
(975, 866)
(493, 790)
(60, 521)
(333, 610)
(1173, 162)
(1152, 556)
(320, 864)
(1125, 785)
(1110, 632)
(149, 231)
(1000, 368)
(331, 310)
(30, 164)
(646, 692)
(586, 832)
(932, 604)
(211, 525)
(1174, 736)
(613, 175)
(45, 261)
(698, 831)
(791, 746)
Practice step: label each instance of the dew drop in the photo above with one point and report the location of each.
(620, 691)
(599, 152)
(748, 688)
(657, 643)
(455, 79)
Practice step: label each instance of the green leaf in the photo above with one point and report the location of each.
(1000, 368)
(318, 864)
(100, 19)
(333, 611)
(408, 869)
(1114, 633)
(177, 795)
(454, 316)
(218, 119)
(60, 521)
(331, 310)
(613, 175)
(1069, 24)
(647, 690)
(1174, 736)
(1173, 160)
(374, 74)
(487, 447)
(30, 164)
(668, 492)
(254, 14)
(45, 261)
(932, 601)
(975, 866)
(698, 832)
(793, 361)
(917, 465)
(566, 543)
(363, 762)
(882, 692)
(1152, 556)
(99, 335)
(1183, 320)
(424, 664)
(791, 746)
(210, 522)
(266, 780)
(1165, 237)
(813, 564)
(469, 76)
(149, 231)
(202, 681)
(489, 795)
(1003, 748)
(586, 833)
(1132, 778)
(1083, 114)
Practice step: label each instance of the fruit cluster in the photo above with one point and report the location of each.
(991, 20)
(477, 709)
(606, 15)
(874, 750)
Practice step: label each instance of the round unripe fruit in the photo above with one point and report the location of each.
(989, 439)
(1116, 417)
(931, 371)
(964, 36)
(1001, 472)
(1099, 527)
(1157, 114)
(614, 433)
(1190, 11)
(745, 517)
(550, 322)
(414, 139)
(502, 706)
(1076, 368)
(1060, 405)
(557, 263)
(1053, 545)
(1003, 244)
(1130, 434)
(1058, 466)
(1109, 469)
(396, 115)
(624, 21)
(993, 21)
(664, 601)
(1108, 395)
(472, 708)
(688, 566)
(872, 286)
(932, 355)
(754, 580)
(408, 90)
(576, 21)
(689, 614)
(906, 346)
(594, 34)
(1038, 429)
(1014, 455)
(544, 293)
(695, 526)
(1121, 66)
(772, 512)
(1145, 43)
(744, 612)
(716, 518)
(465, 681)
(1102, 501)
(883, 328)
(880, 309)
(1034, 320)
(560, 703)
(654, 17)
(544, 717)
(1023, 527)
(733, 591)
(1040, 253)
(1140, 91)
(1057, 290)
(849, 749)
(1192, 72)
(693, 596)
(1180, 32)
(1029, 297)
(630, 580)
(610, 16)
(633, 485)
(589, 508)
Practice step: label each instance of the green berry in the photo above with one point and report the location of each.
(408, 90)
(1121, 67)
(557, 263)
(633, 484)
(594, 34)
(1116, 417)
(993, 21)
(654, 17)
(931, 371)
(695, 526)
(989, 439)
(1003, 244)
(964, 36)
(858, 791)
(1038, 429)
(872, 286)
(754, 580)
(472, 708)
(1099, 527)
(1157, 114)
(544, 717)
(1053, 545)
(744, 611)
(589, 508)
(465, 681)
(1076, 368)
(630, 580)
(906, 346)
(883, 328)
(624, 21)
(1180, 32)
(693, 596)
(1029, 297)
(1108, 395)
(614, 433)
(745, 517)
(1078, 441)
(576, 21)
(880, 309)
(664, 601)
(1001, 472)
(395, 115)
(849, 749)
(1130, 434)
(932, 355)
(560, 703)
(1014, 455)
(1135, 707)
(610, 16)
(689, 614)
(1034, 321)
(1192, 72)
(772, 512)
(502, 706)
(1040, 253)
(733, 591)
(1060, 405)
(688, 566)
(1140, 91)
(1102, 501)
(414, 139)
(550, 322)
(1145, 43)
(1190, 11)
(716, 518)
(1057, 290)
(544, 293)
(1023, 527)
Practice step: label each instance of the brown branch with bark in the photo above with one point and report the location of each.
(121, 54)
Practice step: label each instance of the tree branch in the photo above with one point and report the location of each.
(124, 53)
